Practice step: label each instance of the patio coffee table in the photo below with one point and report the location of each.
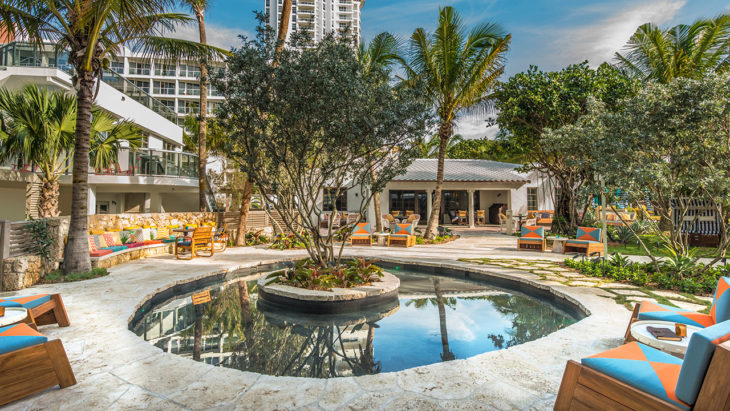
(676, 348)
(13, 315)
(558, 243)
(382, 238)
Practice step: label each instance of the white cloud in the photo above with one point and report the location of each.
(599, 41)
(474, 127)
(220, 36)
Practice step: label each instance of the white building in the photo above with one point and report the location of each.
(319, 17)
(158, 178)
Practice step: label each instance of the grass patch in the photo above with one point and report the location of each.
(655, 246)
(58, 276)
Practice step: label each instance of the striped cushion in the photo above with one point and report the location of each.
(18, 336)
(362, 229)
(92, 244)
(641, 367)
(720, 310)
(112, 239)
(697, 359)
(404, 229)
(100, 241)
(659, 312)
(588, 234)
(532, 232)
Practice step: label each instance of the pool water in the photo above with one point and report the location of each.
(436, 318)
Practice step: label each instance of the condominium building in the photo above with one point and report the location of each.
(316, 18)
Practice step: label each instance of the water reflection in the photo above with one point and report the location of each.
(438, 319)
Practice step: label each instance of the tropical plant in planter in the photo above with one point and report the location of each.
(310, 275)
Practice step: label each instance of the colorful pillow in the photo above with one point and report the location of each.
(100, 241)
(532, 232)
(720, 310)
(141, 235)
(361, 229)
(112, 239)
(404, 229)
(588, 234)
(92, 244)
(697, 359)
(162, 233)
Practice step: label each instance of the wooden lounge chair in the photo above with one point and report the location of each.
(637, 377)
(463, 219)
(403, 235)
(531, 238)
(544, 218)
(587, 241)
(719, 312)
(361, 235)
(220, 240)
(30, 363)
(43, 309)
(481, 217)
(201, 240)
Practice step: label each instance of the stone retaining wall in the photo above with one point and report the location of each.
(119, 221)
(24, 271)
(131, 254)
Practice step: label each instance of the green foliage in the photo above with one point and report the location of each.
(41, 239)
(310, 275)
(430, 148)
(107, 133)
(58, 276)
(290, 241)
(690, 51)
(500, 149)
(681, 275)
(256, 238)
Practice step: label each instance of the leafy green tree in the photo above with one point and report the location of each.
(500, 149)
(38, 128)
(94, 31)
(534, 101)
(459, 70)
(691, 51)
(326, 125)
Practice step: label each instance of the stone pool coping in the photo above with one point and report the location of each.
(118, 370)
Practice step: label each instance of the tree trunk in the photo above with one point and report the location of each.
(203, 119)
(243, 218)
(76, 257)
(245, 303)
(376, 205)
(283, 28)
(48, 206)
(446, 354)
(563, 218)
(198, 334)
(433, 219)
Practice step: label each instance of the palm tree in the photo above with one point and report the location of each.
(459, 70)
(198, 7)
(94, 31)
(430, 148)
(446, 354)
(39, 129)
(378, 55)
(283, 28)
(690, 51)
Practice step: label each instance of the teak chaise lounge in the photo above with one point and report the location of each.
(637, 377)
(719, 312)
(43, 309)
(30, 363)
(361, 235)
(201, 240)
(587, 241)
(531, 238)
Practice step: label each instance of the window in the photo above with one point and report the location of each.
(118, 66)
(329, 199)
(168, 103)
(144, 85)
(164, 87)
(212, 91)
(212, 107)
(532, 198)
(187, 107)
(162, 69)
(142, 69)
(342, 8)
(188, 70)
(189, 89)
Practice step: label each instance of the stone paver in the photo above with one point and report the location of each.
(116, 369)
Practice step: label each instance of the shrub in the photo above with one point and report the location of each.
(289, 241)
(256, 238)
(42, 240)
(307, 274)
(58, 276)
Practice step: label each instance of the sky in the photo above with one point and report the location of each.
(550, 34)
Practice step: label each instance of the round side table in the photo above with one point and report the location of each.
(558, 244)
(676, 348)
(13, 315)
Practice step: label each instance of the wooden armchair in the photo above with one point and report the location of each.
(481, 217)
(463, 219)
(361, 235)
(220, 240)
(531, 238)
(201, 240)
(637, 377)
(587, 241)
(29, 363)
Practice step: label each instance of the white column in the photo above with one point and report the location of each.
(92, 200)
(155, 203)
(470, 193)
(429, 204)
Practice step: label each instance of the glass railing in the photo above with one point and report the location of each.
(115, 80)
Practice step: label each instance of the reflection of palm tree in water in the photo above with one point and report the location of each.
(446, 355)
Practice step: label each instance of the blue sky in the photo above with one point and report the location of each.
(548, 33)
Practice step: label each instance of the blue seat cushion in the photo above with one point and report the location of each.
(8, 303)
(115, 248)
(641, 367)
(184, 243)
(401, 235)
(169, 240)
(531, 240)
(581, 242)
(18, 336)
(27, 302)
(697, 359)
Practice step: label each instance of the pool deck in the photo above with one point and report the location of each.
(116, 369)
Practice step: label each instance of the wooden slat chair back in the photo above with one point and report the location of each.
(531, 238)
(637, 377)
(200, 244)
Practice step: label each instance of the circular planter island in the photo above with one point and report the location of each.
(338, 300)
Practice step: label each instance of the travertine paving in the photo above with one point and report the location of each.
(117, 370)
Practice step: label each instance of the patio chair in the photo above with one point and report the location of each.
(531, 238)
(409, 213)
(30, 363)
(719, 312)
(361, 235)
(544, 218)
(220, 240)
(637, 377)
(587, 241)
(43, 309)
(463, 218)
(481, 217)
(413, 219)
(502, 223)
(324, 220)
(201, 240)
(395, 213)
(388, 221)
(403, 235)
(352, 218)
